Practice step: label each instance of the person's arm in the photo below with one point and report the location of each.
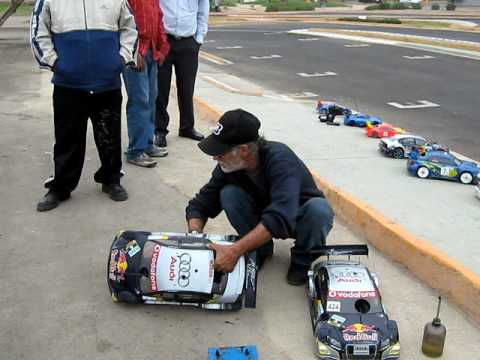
(164, 45)
(285, 179)
(206, 204)
(202, 20)
(41, 35)
(128, 34)
(196, 225)
(227, 255)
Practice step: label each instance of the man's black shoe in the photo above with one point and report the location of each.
(161, 140)
(116, 192)
(191, 134)
(297, 274)
(51, 200)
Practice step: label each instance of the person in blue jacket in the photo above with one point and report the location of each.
(86, 45)
(266, 192)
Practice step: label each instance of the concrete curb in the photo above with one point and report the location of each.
(435, 267)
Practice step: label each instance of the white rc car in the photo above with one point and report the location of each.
(177, 269)
(400, 146)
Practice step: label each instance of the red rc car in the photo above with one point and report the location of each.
(383, 130)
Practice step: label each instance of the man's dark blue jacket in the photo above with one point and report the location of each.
(283, 184)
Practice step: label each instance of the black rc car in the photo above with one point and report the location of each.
(348, 318)
(178, 269)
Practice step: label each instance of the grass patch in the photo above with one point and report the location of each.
(292, 5)
(23, 10)
(372, 20)
(336, 4)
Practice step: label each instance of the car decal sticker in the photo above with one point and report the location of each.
(333, 306)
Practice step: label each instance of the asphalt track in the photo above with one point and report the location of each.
(368, 78)
(286, 26)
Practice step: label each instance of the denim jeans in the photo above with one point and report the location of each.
(314, 222)
(142, 94)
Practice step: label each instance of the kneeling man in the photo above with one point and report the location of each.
(266, 192)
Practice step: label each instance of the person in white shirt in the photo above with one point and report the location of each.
(186, 24)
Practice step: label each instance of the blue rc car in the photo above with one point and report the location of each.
(361, 120)
(443, 165)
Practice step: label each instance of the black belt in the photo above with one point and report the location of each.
(175, 37)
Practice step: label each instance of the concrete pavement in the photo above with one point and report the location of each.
(54, 302)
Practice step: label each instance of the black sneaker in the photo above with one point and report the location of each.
(297, 274)
(51, 200)
(116, 192)
(161, 140)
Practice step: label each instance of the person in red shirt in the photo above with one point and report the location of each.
(141, 83)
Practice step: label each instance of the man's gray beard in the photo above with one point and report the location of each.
(232, 168)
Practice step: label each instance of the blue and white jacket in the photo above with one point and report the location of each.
(84, 41)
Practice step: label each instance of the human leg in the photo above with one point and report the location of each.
(314, 222)
(70, 121)
(106, 121)
(240, 208)
(164, 78)
(152, 72)
(186, 66)
(139, 110)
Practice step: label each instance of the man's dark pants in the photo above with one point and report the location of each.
(184, 57)
(72, 108)
(314, 222)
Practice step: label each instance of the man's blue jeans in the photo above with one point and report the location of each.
(314, 222)
(142, 94)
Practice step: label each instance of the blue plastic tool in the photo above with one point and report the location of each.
(248, 352)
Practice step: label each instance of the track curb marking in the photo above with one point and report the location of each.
(425, 261)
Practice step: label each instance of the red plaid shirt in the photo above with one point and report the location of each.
(151, 33)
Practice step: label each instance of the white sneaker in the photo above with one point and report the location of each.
(143, 160)
(156, 151)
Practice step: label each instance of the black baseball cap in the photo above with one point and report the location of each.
(235, 127)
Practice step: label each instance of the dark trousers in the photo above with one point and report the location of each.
(314, 222)
(71, 110)
(184, 57)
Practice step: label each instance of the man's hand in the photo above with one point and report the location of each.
(140, 62)
(195, 225)
(226, 257)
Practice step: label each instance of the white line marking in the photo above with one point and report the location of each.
(273, 33)
(304, 94)
(309, 39)
(277, 97)
(209, 41)
(356, 45)
(420, 57)
(229, 47)
(221, 84)
(214, 59)
(328, 73)
(265, 57)
(410, 105)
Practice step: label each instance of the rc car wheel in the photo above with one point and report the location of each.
(466, 178)
(423, 172)
(127, 297)
(398, 153)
